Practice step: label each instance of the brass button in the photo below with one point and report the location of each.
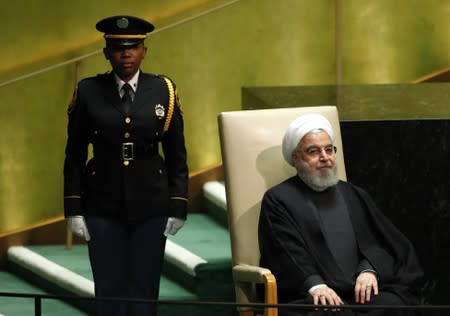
(160, 171)
(128, 120)
(126, 135)
(126, 162)
(93, 173)
(95, 132)
(157, 133)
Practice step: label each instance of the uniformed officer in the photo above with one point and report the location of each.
(126, 199)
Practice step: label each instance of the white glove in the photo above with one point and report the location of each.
(173, 225)
(77, 225)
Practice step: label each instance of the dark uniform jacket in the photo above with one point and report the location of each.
(293, 245)
(126, 177)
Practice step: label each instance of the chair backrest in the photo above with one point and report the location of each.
(253, 162)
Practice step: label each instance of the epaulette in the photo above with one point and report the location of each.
(73, 102)
(97, 76)
(177, 101)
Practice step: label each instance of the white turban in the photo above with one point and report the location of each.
(299, 128)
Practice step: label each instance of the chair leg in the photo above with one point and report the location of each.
(271, 297)
(246, 313)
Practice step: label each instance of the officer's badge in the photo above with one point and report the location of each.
(122, 23)
(159, 111)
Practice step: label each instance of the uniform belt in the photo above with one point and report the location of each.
(126, 151)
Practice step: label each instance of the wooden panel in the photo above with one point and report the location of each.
(442, 75)
(51, 231)
(196, 181)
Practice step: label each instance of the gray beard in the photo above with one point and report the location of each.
(319, 182)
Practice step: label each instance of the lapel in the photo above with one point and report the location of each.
(141, 96)
(143, 90)
(111, 93)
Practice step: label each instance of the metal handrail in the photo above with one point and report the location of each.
(301, 307)
(99, 51)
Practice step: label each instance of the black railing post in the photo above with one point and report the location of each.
(37, 306)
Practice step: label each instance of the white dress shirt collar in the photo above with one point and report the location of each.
(133, 82)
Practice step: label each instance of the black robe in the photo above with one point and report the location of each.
(294, 248)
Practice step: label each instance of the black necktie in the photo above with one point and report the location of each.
(126, 98)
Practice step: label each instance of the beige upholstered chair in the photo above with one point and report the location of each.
(253, 162)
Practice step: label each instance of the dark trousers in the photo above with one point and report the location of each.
(126, 260)
(383, 298)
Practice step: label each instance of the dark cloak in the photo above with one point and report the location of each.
(294, 248)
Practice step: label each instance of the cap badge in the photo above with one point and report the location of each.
(159, 111)
(122, 23)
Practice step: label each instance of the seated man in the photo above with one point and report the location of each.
(325, 240)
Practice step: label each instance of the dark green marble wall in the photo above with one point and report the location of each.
(404, 165)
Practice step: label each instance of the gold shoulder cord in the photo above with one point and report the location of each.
(171, 104)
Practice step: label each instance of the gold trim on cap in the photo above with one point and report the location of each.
(124, 36)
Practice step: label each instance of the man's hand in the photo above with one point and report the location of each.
(77, 226)
(326, 296)
(173, 225)
(366, 284)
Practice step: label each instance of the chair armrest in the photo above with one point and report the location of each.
(255, 274)
(249, 273)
